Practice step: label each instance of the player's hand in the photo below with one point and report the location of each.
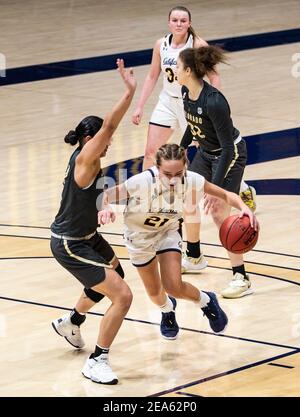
(106, 216)
(137, 116)
(127, 75)
(209, 203)
(253, 219)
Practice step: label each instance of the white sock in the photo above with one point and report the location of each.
(204, 299)
(167, 307)
(244, 187)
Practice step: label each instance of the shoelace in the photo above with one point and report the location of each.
(247, 195)
(238, 281)
(248, 198)
(209, 314)
(168, 319)
(103, 366)
(194, 261)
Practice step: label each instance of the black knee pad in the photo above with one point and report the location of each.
(120, 271)
(93, 295)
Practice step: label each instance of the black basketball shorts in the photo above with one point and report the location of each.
(85, 259)
(206, 164)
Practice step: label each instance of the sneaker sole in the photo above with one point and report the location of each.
(243, 294)
(192, 271)
(113, 382)
(65, 337)
(222, 331)
(169, 338)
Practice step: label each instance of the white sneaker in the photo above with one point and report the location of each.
(98, 370)
(192, 264)
(238, 287)
(65, 328)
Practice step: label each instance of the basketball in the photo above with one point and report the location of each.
(237, 235)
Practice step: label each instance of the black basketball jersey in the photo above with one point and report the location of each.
(209, 121)
(78, 214)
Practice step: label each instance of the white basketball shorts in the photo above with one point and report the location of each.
(169, 112)
(143, 247)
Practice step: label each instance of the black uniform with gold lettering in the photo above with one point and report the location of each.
(75, 243)
(222, 154)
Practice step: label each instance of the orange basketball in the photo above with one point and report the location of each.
(237, 235)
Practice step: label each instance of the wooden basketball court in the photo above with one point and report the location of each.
(259, 354)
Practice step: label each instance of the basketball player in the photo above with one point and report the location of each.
(156, 200)
(78, 247)
(168, 113)
(221, 155)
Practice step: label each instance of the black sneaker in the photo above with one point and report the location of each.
(216, 316)
(168, 326)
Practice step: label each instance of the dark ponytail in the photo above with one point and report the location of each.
(202, 60)
(71, 138)
(89, 126)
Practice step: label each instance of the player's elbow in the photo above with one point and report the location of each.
(109, 127)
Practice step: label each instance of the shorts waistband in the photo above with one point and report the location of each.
(216, 152)
(73, 238)
(237, 140)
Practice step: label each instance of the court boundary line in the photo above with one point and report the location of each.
(208, 266)
(281, 366)
(225, 373)
(127, 259)
(123, 246)
(93, 313)
(188, 395)
(121, 234)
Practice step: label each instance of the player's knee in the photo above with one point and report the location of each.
(120, 271)
(93, 295)
(174, 290)
(125, 298)
(154, 291)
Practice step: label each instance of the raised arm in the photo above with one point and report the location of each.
(149, 83)
(93, 148)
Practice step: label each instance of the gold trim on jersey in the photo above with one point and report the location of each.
(236, 155)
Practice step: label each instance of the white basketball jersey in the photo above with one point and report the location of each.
(153, 207)
(169, 57)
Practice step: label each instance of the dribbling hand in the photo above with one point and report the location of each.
(253, 219)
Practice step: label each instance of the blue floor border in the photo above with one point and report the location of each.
(72, 67)
(263, 147)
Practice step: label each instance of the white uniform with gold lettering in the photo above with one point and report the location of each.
(169, 109)
(152, 213)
